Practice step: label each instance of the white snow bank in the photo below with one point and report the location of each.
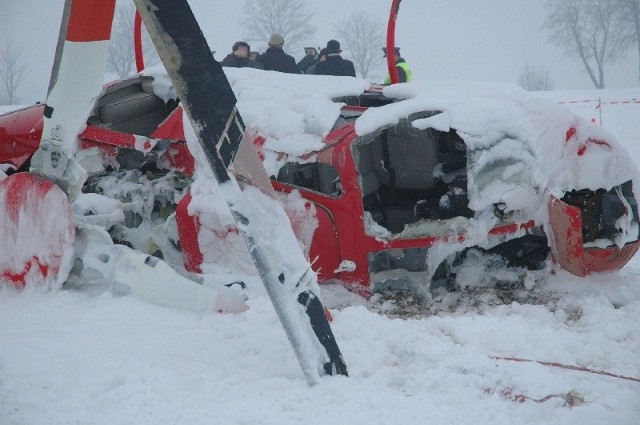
(68, 358)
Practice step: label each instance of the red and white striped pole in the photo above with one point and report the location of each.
(78, 70)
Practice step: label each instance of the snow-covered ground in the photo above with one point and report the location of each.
(72, 357)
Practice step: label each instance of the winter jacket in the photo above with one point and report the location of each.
(307, 62)
(275, 59)
(336, 65)
(404, 73)
(237, 62)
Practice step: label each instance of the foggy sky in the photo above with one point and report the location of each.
(486, 40)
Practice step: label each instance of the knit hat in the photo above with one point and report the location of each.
(333, 46)
(276, 40)
(240, 43)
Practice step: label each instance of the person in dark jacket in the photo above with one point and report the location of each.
(322, 56)
(402, 67)
(275, 59)
(335, 64)
(239, 57)
(310, 58)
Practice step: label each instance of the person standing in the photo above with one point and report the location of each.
(322, 56)
(275, 59)
(239, 56)
(254, 57)
(310, 58)
(335, 64)
(402, 67)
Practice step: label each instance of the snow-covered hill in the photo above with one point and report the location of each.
(102, 358)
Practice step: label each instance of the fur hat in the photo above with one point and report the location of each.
(240, 43)
(276, 40)
(333, 46)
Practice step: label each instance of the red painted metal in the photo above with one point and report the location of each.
(568, 245)
(171, 128)
(20, 133)
(137, 41)
(570, 133)
(609, 259)
(324, 253)
(178, 157)
(347, 214)
(391, 41)
(30, 257)
(103, 136)
(83, 25)
(188, 228)
(590, 141)
(341, 232)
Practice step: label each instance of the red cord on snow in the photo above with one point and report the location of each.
(564, 366)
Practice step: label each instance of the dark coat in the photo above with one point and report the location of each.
(336, 65)
(307, 62)
(275, 59)
(237, 62)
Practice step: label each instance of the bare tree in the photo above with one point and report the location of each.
(535, 78)
(594, 30)
(289, 18)
(632, 8)
(12, 72)
(362, 36)
(121, 58)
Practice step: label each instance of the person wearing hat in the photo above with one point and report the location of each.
(404, 72)
(335, 64)
(275, 59)
(310, 58)
(239, 56)
(322, 56)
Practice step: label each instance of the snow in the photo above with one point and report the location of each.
(107, 357)
(71, 358)
(525, 147)
(504, 121)
(292, 112)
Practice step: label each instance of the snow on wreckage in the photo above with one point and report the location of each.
(410, 183)
(386, 189)
(209, 103)
(534, 175)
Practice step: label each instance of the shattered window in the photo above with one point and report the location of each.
(316, 176)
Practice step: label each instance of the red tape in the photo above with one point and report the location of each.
(613, 102)
(569, 367)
